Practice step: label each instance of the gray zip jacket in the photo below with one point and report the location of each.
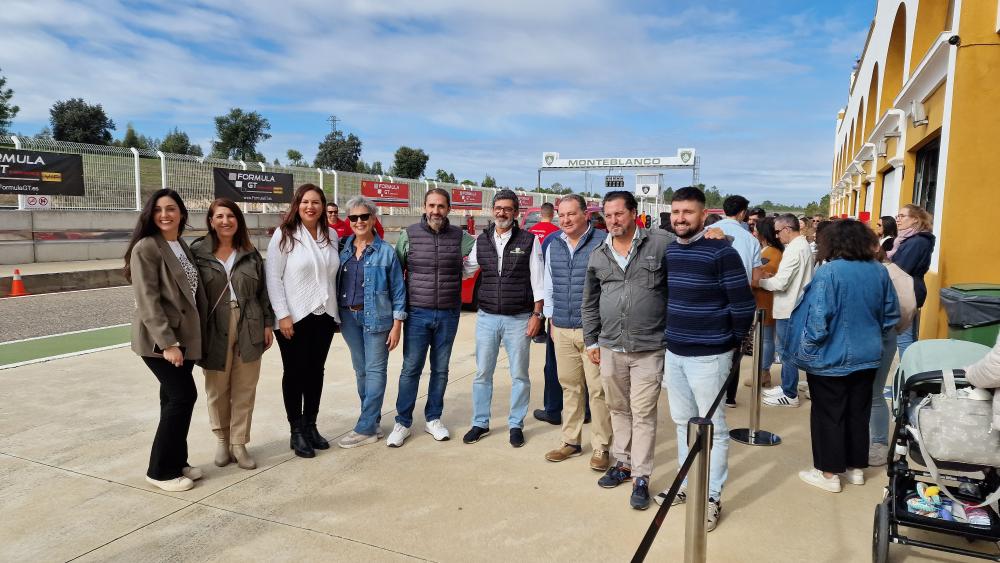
(627, 310)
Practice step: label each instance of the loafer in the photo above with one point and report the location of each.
(544, 416)
(615, 476)
(516, 437)
(640, 493)
(600, 460)
(474, 434)
(564, 452)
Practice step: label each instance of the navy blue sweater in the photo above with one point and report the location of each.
(709, 303)
(914, 258)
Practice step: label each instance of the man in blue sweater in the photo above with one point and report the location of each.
(709, 311)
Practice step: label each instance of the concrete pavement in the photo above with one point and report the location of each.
(75, 437)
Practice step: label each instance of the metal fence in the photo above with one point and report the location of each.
(119, 178)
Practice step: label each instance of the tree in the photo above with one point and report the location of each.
(489, 182)
(44, 135)
(178, 142)
(239, 132)
(8, 111)
(444, 176)
(376, 168)
(468, 183)
(76, 121)
(131, 139)
(276, 162)
(409, 163)
(338, 152)
(361, 168)
(295, 158)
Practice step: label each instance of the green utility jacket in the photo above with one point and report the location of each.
(251, 294)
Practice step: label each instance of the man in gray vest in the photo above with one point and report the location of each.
(566, 258)
(624, 314)
(510, 313)
(431, 253)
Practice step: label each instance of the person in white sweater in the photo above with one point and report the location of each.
(301, 268)
(794, 273)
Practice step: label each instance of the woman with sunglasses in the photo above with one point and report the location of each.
(372, 300)
(238, 328)
(911, 251)
(302, 265)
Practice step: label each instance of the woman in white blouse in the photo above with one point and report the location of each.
(302, 263)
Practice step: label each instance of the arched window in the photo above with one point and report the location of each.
(872, 111)
(892, 82)
(932, 19)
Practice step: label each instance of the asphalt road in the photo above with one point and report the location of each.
(54, 313)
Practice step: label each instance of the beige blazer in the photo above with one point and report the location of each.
(165, 311)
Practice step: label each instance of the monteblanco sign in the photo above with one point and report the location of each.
(685, 159)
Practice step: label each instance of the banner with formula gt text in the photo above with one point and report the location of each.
(466, 199)
(40, 173)
(253, 185)
(386, 194)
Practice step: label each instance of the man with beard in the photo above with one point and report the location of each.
(431, 253)
(510, 313)
(623, 315)
(709, 312)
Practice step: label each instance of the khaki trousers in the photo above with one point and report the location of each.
(577, 373)
(231, 392)
(632, 387)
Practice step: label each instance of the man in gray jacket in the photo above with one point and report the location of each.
(624, 314)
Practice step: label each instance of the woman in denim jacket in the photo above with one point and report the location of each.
(835, 335)
(372, 300)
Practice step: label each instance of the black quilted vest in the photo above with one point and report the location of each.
(509, 292)
(434, 266)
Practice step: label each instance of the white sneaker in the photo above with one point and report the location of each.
(713, 511)
(855, 476)
(776, 390)
(803, 386)
(436, 429)
(815, 478)
(398, 435)
(878, 454)
(781, 400)
(175, 485)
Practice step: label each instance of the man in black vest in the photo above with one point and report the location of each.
(431, 253)
(510, 313)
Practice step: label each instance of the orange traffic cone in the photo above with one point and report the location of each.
(17, 286)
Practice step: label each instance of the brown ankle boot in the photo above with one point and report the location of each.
(243, 458)
(222, 455)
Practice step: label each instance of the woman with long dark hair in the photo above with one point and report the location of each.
(887, 232)
(911, 251)
(835, 334)
(771, 251)
(302, 265)
(167, 329)
(238, 328)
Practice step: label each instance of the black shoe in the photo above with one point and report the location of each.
(616, 475)
(516, 437)
(544, 416)
(474, 434)
(640, 493)
(731, 403)
(313, 436)
(299, 443)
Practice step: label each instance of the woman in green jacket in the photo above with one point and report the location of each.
(238, 328)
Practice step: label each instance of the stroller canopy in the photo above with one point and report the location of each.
(933, 355)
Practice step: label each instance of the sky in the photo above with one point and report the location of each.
(482, 87)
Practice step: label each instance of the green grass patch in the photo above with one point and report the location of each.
(47, 347)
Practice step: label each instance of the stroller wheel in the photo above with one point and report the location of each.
(880, 534)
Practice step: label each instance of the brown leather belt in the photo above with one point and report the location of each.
(356, 308)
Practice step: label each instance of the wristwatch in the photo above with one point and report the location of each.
(540, 316)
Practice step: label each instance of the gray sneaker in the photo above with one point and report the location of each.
(679, 498)
(713, 512)
(353, 440)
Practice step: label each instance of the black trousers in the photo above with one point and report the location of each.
(302, 358)
(177, 397)
(841, 409)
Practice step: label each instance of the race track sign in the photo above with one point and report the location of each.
(525, 201)
(614, 181)
(40, 173)
(386, 194)
(466, 199)
(253, 186)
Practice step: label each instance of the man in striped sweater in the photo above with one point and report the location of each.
(709, 311)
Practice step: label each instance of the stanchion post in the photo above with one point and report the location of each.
(700, 432)
(754, 436)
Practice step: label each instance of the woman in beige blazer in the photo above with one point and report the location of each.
(167, 329)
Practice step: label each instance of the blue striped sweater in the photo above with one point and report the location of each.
(709, 303)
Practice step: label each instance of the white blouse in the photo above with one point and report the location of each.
(303, 280)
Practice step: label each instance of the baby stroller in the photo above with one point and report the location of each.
(920, 374)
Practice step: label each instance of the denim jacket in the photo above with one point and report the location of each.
(385, 292)
(837, 326)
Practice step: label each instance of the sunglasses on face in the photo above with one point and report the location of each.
(356, 218)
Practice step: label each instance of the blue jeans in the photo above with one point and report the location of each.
(370, 358)
(910, 336)
(878, 426)
(767, 346)
(491, 331)
(789, 371)
(552, 395)
(692, 384)
(425, 328)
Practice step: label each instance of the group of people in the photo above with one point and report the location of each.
(629, 312)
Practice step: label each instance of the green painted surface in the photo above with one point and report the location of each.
(56, 345)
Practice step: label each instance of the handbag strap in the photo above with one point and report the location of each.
(950, 390)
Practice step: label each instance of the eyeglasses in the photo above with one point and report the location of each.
(782, 229)
(902, 216)
(507, 210)
(356, 218)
